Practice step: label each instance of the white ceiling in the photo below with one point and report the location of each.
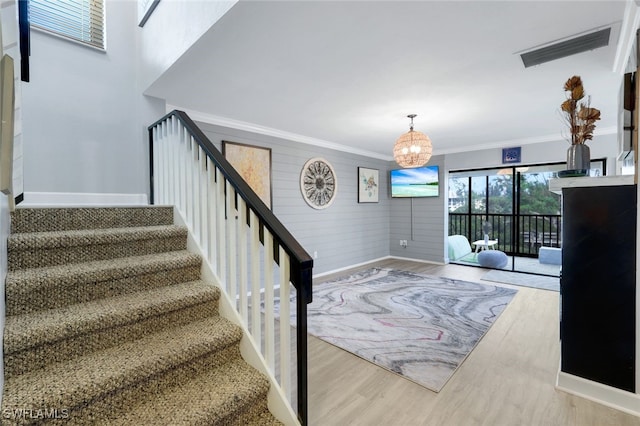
(349, 73)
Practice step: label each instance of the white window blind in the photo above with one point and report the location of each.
(80, 20)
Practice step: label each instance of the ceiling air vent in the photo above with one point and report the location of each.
(566, 48)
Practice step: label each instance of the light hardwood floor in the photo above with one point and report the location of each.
(508, 379)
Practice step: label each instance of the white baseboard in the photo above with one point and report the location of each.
(357, 265)
(51, 199)
(602, 394)
(322, 274)
(431, 262)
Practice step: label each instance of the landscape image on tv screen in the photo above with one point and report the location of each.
(418, 182)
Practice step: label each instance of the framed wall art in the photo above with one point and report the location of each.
(253, 163)
(318, 183)
(368, 184)
(511, 155)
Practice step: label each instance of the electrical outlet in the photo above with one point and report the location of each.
(403, 243)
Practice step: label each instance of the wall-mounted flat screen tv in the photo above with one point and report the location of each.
(417, 182)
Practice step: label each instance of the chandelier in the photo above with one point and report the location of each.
(412, 149)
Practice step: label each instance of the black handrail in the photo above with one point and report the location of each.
(301, 264)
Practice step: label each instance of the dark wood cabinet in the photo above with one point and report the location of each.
(598, 284)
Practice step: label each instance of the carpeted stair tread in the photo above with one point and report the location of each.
(60, 285)
(30, 330)
(67, 218)
(95, 375)
(228, 394)
(87, 237)
(39, 249)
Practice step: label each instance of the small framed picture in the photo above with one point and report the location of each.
(511, 155)
(368, 185)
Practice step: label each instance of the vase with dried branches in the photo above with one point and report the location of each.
(581, 119)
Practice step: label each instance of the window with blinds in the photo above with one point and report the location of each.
(79, 20)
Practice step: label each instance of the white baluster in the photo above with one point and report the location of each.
(188, 208)
(221, 241)
(243, 228)
(156, 165)
(166, 160)
(232, 249)
(256, 326)
(168, 178)
(212, 214)
(183, 174)
(165, 164)
(285, 324)
(269, 332)
(168, 142)
(195, 183)
(204, 201)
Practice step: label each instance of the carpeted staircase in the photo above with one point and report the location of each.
(108, 322)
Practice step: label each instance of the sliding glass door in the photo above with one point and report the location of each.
(538, 221)
(482, 196)
(523, 215)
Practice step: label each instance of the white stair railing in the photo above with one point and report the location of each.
(254, 257)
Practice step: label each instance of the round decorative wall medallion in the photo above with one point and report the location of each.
(318, 183)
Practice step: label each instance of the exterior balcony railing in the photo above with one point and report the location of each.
(517, 235)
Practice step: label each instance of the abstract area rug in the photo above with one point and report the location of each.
(421, 327)
(525, 280)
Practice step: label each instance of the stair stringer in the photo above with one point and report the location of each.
(276, 399)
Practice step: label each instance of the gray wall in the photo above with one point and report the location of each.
(420, 222)
(344, 234)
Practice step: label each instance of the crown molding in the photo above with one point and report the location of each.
(268, 131)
